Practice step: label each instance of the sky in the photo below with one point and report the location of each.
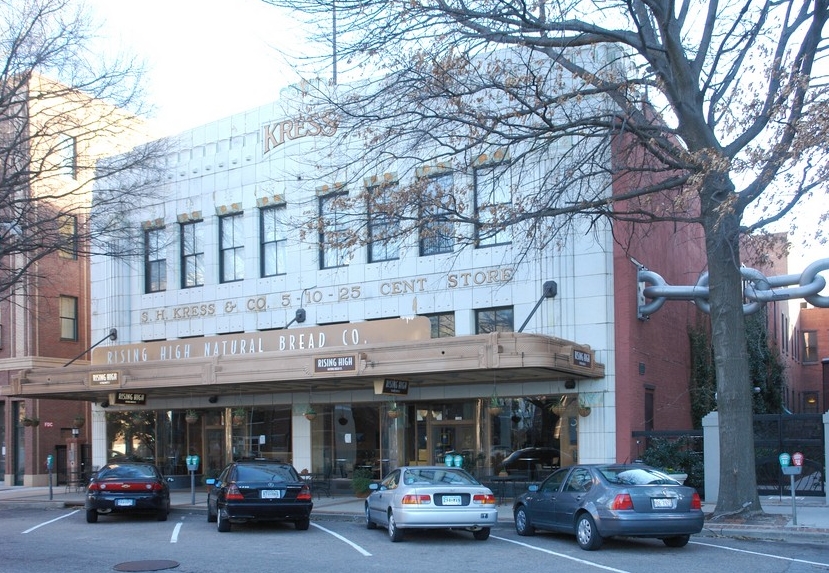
(205, 59)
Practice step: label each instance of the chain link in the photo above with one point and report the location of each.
(759, 289)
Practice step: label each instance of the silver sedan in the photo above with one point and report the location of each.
(429, 497)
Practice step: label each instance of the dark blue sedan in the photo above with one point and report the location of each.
(120, 487)
(597, 501)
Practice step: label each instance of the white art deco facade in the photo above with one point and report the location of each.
(282, 345)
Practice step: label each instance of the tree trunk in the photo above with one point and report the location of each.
(738, 479)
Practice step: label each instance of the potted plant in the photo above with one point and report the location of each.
(239, 416)
(394, 410)
(310, 413)
(360, 482)
(495, 406)
(584, 408)
(191, 417)
(78, 421)
(30, 421)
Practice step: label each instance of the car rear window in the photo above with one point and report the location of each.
(127, 472)
(438, 477)
(637, 476)
(271, 473)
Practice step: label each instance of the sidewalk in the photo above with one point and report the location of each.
(812, 512)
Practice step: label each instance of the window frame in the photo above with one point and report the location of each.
(435, 242)
(236, 249)
(68, 321)
(154, 244)
(69, 223)
(384, 248)
(499, 174)
(67, 151)
(197, 254)
(809, 351)
(271, 243)
(497, 320)
(438, 328)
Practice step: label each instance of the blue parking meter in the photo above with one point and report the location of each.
(192, 465)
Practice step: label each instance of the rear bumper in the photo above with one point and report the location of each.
(633, 525)
(243, 511)
(466, 517)
(139, 503)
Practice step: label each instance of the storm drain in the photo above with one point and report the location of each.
(150, 565)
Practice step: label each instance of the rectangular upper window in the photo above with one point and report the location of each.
(436, 232)
(493, 198)
(68, 237)
(68, 318)
(383, 229)
(443, 324)
(272, 237)
(231, 248)
(333, 231)
(192, 254)
(809, 346)
(494, 320)
(155, 260)
(67, 156)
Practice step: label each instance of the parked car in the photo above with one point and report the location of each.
(534, 463)
(259, 490)
(429, 497)
(127, 487)
(598, 501)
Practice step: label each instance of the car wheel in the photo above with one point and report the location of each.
(522, 522)
(677, 540)
(586, 533)
(92, 516)
(222, 525)
(369, 523)
(302, 524)
(162, 514)
(395, 533)
(481, 534)
(211, 517)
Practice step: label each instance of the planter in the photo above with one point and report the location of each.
(495, 410)
(191, 418)
(238, 420)
(310, 415)
(78, 422)
(30, 422)
(584, 411)
(394, 414)
(679, 477)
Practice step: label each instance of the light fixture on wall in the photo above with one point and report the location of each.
(213, 399)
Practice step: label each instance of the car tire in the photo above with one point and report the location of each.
(369, 523)
(481, 534)
(677, 540)
(523, 525)
(587, 534)
(303, 524)
(162, 514)
(395, 533)
(211, 517)
(92, 516)
(223, 525)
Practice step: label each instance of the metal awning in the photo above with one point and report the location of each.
(501, 356)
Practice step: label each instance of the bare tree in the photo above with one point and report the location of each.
(713, 113)
(68, 125)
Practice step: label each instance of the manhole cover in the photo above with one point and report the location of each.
(153, 565)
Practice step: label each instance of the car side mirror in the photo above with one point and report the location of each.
(211, 481)
(374, 486)
(533, 487)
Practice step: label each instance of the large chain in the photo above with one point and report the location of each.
(759, 289)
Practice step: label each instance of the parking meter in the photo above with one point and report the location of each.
(50, 465)
(791, 471)
(192, 465)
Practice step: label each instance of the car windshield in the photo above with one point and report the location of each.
(126, 472)
(265, 472)
(637, 476)
(438, 477)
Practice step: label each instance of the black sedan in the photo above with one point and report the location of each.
(127, 487)
(597, 501)
(258, 490)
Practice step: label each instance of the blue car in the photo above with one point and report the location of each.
(597, 501)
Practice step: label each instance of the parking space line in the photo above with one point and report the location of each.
(791, 559)
(562, 555)
(343, 539)
(50, 521)
(176, 529)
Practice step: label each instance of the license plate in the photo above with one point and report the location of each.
(270, 494)
(124, 502)
(662, 503)
(451, 500)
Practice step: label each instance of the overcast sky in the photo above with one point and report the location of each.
(206, 59)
